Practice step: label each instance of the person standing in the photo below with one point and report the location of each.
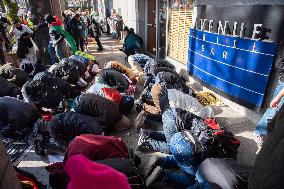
(23, 32)
(56, 41)
(96, 31)
(4, 41)
(77, 31)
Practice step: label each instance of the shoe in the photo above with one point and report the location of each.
(258, 139)
(156, 175)
(140, 120)
(151, 165)
(143, 143)
(100, 49)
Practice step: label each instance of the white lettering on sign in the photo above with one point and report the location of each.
(225, 53)
(203, 48)
(204, 37)
(242, 30)
(202, 24)
(254, 47)
(210, 25)
(217, 40)
(255, 30)
(235, 44)
(235, 28)
(212, 52)
(222, 28)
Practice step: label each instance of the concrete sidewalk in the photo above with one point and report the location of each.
(228, 118)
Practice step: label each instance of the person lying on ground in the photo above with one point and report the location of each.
(114, 79)
(186, 169)
(138, 62)
(57, 83)
(17, 117)
(125, 102)
(105, 111)
(42, 95)
(63, 128)
(71, 71)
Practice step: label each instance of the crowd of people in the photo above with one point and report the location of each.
(72, 106)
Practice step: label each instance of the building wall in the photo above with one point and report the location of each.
(254, 116)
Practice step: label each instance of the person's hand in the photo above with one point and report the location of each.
(274, 103)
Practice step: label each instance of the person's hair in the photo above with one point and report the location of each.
(131, 30)
(49, 18)
(77, 15)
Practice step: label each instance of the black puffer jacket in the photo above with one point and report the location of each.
(55, 82)
(13, 74)
(8, 89)
(104, 110)
(31, 68)
(70, 70)
(17, 117)
(66, 126)
(41, 94)
(114, 79)
(23, 46)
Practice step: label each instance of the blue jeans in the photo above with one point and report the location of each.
(261, 128)
(179, 177)
(160, 139)
(55, 52)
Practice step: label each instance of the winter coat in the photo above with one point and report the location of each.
(13, 74)
(55, 82)
(121, 68)
(104, 110)
(114, 79)
(17, 117)
(8, 89)
(66, 126)
(153, 65)
(156, 92)
(31, 68)
(76, 28)
(41, 94)
(70, 70)
(132, 42)
(24, 46)
(186, 102)
(97, 147)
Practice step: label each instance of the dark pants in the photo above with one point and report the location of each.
(80, 42)
(2, 56)
(129, 52)
(97, 39)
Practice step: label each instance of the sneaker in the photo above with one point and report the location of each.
(140, 120)
(143, 143)
(259, 139)
(151, 165)
(156, 175)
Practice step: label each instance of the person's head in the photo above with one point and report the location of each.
(49, 18)
(125, 31)
(131, 30)
(17, 24)
(77, 17)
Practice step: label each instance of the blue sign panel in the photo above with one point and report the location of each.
(237, 66)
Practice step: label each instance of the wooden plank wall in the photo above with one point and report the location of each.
(179, 25)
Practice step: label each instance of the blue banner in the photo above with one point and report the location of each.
(237, 66)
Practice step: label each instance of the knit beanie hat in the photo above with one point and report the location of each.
(86, 174)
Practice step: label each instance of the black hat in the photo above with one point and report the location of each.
(126, 29)
(49, 18)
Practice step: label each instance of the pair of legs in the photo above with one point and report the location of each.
(100, 46)
(2, 56)
(80, 42)
(55, 52)
(261, 128)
